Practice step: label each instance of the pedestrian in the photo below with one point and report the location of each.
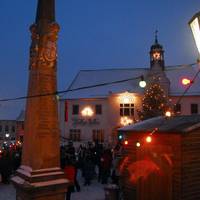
(70, 173)
(6, 167)
(106, 163)
(88, 170)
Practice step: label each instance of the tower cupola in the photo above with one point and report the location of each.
(157, 53)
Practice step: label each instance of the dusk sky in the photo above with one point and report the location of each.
(95, 34)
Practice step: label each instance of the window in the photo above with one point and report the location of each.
(126, 109)
(98, 109)
(13, 129)
(177, 108)
(0, 128)
(98, 135)
(75, 109)
(75, 134)
(6, 128)
(194, 108)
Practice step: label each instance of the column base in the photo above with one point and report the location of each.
(44, 184)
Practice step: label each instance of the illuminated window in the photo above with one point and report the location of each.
(75, 109)
(75, 134)
(194, 108)
(98, 135)
(98, 109)
(126, 109)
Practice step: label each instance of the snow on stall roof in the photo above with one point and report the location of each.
(94, 77)
(183, 124)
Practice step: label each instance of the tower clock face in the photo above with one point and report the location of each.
(156, 56)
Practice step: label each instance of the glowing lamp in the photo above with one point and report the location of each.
(168, 114)
(142, 82)
(87, 112)
(120, 137)
(148, 139)
(126, 142)
(194, 24)
(185, 81)
(7, 135)
(138, 144)
(0, 151)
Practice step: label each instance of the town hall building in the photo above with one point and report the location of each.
(109, 98)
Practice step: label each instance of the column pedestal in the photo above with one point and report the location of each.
(45, 184)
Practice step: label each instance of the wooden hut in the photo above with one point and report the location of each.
(161, 159)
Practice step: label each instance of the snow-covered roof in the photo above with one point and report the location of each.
(87, 78)
(181, 123)
(21, 116)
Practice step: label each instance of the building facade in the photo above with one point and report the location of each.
(110, 98)
(7, 131)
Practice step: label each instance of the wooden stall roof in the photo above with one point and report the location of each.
(180, 124)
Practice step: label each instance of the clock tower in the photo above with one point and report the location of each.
(157, 66)
(157, 54)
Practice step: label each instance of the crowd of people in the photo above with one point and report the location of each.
(10, 159)
(93, 161)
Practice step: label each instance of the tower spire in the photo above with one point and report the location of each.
(45, 11)
(156, 37)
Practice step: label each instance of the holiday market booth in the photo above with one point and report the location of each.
(161, 159)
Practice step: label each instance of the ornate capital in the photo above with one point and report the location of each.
(43, 51)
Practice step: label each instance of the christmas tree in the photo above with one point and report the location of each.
(154, 102)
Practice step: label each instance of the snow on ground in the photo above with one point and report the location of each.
(93, 192)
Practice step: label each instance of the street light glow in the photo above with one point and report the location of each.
(194, 24)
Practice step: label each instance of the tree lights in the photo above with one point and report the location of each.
(154, 103)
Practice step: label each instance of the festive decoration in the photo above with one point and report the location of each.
(138, 144)
(126, 97)
(126, 121)
(87, 112)
(126, 142)
(148, 139)
(168, 114)
(154, 102)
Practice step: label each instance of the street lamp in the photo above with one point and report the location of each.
(194, 24)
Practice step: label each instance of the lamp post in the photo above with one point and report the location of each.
(194, 24)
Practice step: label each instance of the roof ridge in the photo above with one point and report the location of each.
(109, 69)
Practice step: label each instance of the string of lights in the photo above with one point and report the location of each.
(69, 90)
(188, 87)
(97, 85)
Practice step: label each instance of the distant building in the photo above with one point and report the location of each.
(20, 126)
(7, 130)
(95, 113)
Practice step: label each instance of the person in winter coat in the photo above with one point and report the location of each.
(70, 173)
(88, 170)
(106, 163)
(6, 167)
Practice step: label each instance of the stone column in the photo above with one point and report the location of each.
(40, 177)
